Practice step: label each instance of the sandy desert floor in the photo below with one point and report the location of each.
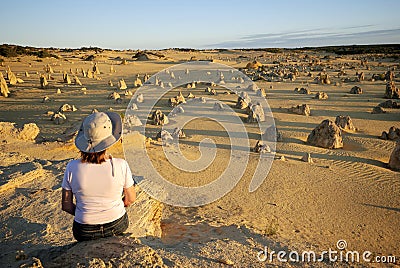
(347, 193)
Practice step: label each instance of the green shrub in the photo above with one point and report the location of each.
(45, 54)
(8, 51)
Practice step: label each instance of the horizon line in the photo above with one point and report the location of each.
(205, 49)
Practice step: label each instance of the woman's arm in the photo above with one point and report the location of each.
(67, 202)
(129, 195)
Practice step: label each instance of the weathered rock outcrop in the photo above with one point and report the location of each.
(326, 135)
(114, 96)
(145, 214)
(77, 81)
(3, 86)
(307, 158)
(321, 96)
(66, 78)
(132, 120)
(303, 109)
(178, 133)
(139, 98)
(218, 106)
(164, 136)
(122, 84)
(177, 100)
(389, 104)
(58, 118)
(378, 110)
(256, 114)
(394, 161)
(12, 78)
(243, 101)
(389, 75)
(323, 78)
(254, 65)
(392, 134)
(261, 148)
(302, 90)
(67, 108)
(261, 93)
(126, 252)
(137, 82)
(392, 92)
(43, 81)
(356, 90)
(159, 118)
(28, 132)
(345, 123)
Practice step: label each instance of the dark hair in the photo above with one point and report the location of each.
(94, 158)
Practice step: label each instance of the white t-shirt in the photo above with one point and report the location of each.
(97, 192)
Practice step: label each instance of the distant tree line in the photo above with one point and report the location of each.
(339, 50)
(356, 49)
(15, 51)
(7, 50)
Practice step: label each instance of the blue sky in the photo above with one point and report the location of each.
(198, 24)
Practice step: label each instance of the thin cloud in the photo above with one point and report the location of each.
(269, 35)
(359, 27)
(315, 37)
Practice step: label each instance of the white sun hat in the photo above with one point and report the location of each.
(98, 132)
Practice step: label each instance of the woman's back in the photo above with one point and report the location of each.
(97, 181)
(98, 189)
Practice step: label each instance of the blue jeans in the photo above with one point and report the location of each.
(85, 232)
